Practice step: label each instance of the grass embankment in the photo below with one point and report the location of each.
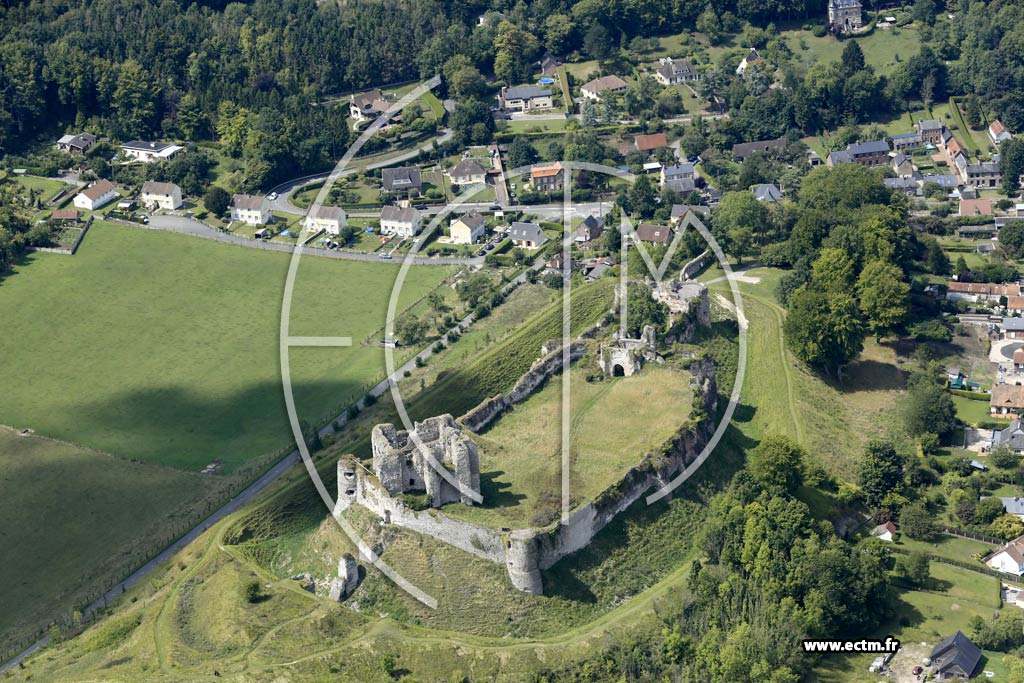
(164, 348)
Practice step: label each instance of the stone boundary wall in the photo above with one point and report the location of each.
(695, 266)
(480, 417)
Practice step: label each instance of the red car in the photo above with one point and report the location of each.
(916, 670)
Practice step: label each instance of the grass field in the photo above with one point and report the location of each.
(883, 49)
(46, 187)
(520, 456)
(164, 348)
(75, 519)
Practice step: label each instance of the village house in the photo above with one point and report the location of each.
(954, 658)
(985, 174)
(467, 172)
(653, 234)
(595, 268)
(250, 209)
(650, 143)
(908, 186)
(1018, 360)
(902, 165)
(767, 192)
(368, 105)
(679, 177)
(1010, 557)
(146, 152)
(1015, 304)
(525, 98)
(870, 154)
(930, 131)
(905, 141)
(401, 222)
(1012, 328)
(844, 15)
(980, 291)
(402, 179)
(1007, 399)
(596, 88)
(975, 207)
(330, 219)
(64, 216)
(840, 156)
(997, 133)
(742, 150)
(547, 178)
(97, 194)
(1012, 436)
(557, 265)
(749, 59)
(76, 144)
(589, 230)
(467, 228)
(527, 235)
(885, 532)
(165, 196)
(671, 71)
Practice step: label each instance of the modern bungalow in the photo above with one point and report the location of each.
(596, 88)
(525, 98)
(527, 235)
(467, 172)
(95, 195)
(76, 144)
(146, 152)
(671, 72)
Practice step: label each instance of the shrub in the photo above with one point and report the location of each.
(818, 31)
(252, 591)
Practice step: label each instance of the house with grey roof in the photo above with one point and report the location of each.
(767, 192)
(902, 165)
(955, 657)
(330, 219)
(840, 156)
(527, 235)
(679, 177)
(467, 228)
(589, 230)
(1013, 438)
(402, 179)
(525, 98)
(76, 144)
(672, 71)
(160, 195)
(984, 175)
(398, 221)
(1009, 558)
(742, 150)
(870, 154)
(844, 15)
(250, 209)
(905, 141)
(931, 132)
(907, 186)
(467, 172)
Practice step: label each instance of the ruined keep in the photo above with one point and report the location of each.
(347, 580)
(686, 300)
(401, 460)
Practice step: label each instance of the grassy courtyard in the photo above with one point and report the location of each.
(196, 376)
(520, 456)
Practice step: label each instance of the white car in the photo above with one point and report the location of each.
(272, 196)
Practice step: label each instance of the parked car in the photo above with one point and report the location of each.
(384, 255)
(272, 196)
(481, 252)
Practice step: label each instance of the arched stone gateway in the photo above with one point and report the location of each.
(618, 371)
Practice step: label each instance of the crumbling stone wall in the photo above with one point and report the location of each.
(401, 464)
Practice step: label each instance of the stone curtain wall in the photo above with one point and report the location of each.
(525, 552)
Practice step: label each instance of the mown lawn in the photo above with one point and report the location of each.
(521, 454)
(47, 187)
(75, 521)
(164, 347)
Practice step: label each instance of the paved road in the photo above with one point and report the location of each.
(190, 226)
(285, 190)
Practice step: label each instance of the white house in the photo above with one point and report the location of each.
(997, 133)
(467, 172)
(596, 88)
(139, 150)
(752, 58)
(524, 98)
(670, 71)
(401, 222)
(95, 195)
(161, 195)
(330, 219)
(468, 228)
(250, 209)
(885, 532)
(1009, 558)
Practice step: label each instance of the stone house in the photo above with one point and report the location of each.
(930, 132)
(742, 150)
(845, 15)
(985, 174)
(870, 154)
(547, 178)
(902, 165)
